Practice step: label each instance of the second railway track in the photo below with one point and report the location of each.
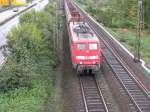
(137, 93)
(92, 95)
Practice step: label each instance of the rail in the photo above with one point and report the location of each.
(92, 96)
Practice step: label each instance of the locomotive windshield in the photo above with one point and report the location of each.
(93, 46)
(81, 46)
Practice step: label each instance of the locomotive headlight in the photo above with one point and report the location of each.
(93, 57)
(80, 57)
(80, 62)
(87, 51)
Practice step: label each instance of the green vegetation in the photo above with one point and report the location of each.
(127, 37)
(116, 13)
(118, 16)
(24, 100)
(26, 78)
(54, 102)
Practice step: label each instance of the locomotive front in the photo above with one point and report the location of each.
(84, 44)
(85, 48)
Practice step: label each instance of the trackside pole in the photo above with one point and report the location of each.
(137, 55)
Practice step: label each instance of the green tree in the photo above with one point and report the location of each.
(147, 13)
(25, 42)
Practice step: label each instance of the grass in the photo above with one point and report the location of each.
(23, 100)
(54, 103)
(127, 38)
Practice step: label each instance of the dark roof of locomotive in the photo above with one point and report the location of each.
(81, 32)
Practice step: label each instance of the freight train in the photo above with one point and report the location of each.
(83, 42)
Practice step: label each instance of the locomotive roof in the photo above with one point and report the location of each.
(81, 32)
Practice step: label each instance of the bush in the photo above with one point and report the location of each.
(25, 43)
(14, 76)
(27, 76)
(30, 50)
(43, 23)
(109, 13)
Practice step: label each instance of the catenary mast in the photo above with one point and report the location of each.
(140, 21)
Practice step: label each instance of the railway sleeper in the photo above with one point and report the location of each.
(96, 110)
(96, 106)
(142, 101)
(129, 82)
(131, 87)
(90, 92)
(137, 93)
(90, 89)
(121, 73)
(144, 105)
(145, 109)
(126, 80)
(139, 98)
(94, 103)
(93, 97)
(93, 100)
(118, 69)
(135, 90)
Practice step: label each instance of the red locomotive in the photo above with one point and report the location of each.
(84, 44)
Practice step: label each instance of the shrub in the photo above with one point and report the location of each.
(43, 23)
(25, 43)
(14, 76)
(30, 50)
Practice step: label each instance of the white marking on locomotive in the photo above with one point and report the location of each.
(86, 57)
(93, 57)
(80, 57)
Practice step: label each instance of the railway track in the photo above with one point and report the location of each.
(137, 93)
(92, 95)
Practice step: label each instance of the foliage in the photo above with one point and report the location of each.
(116, 13)
(30, 62)
(26, 78)
(43, 21)
(146, 13)
(128, 39)
(24, 100)
(25, 43)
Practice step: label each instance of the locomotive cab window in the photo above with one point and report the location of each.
(81, 47)
(93, 46)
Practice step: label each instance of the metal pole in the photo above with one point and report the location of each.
(137, 54)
